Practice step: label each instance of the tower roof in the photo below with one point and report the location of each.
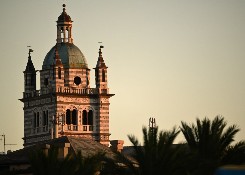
(64, 52)
(69, 54)
(29, 66)
(100, 62)
(64, 17)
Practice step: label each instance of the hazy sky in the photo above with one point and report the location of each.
(169, 59)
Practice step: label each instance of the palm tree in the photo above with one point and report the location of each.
(158, 155)
(209, 142)
(235, 154)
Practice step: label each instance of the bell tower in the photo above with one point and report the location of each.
(65, 104)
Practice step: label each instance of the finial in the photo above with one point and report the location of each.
(100, 52)
(64, 7)
(30, 50)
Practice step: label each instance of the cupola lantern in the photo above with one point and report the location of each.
(64, 27)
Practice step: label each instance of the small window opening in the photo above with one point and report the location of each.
(74, 117)
(68, 117)
(87, 81)
(66, 35)
(59, 72)
(77, 80)
(47, 117)
(25, 79)
(44, 118)
(103, 75)
(46, 81)
(96, 75)
(37, 119)
(84, 120)
(90, 117)
(33, 79)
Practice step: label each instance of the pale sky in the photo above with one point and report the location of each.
(174, 60)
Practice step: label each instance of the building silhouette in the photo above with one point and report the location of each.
(65, 104)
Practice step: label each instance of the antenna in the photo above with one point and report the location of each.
(152, 122)
(152, 125)
(4, 143)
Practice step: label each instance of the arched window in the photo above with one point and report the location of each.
(59, 72)
(62, 34)
(74, 117)
(68, 117)
(90, 117)
(85, 120)
(103, 75)
(45, 118)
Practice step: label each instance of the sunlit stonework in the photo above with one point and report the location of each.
(66, 104)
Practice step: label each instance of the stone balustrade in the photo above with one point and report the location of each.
(85, 91)
(65, 90)
(81, 128)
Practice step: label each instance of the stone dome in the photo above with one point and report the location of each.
(70, 55)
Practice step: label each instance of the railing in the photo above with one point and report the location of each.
(86, 91)
(70, 127)
(66, 90)
(74, 127)
(87, 128)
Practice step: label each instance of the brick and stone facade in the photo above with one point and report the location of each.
(66, 105)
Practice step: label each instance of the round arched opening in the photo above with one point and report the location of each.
(77, 80)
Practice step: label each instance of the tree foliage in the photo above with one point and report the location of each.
(208, 146)
(158, 155)
(209, 142)
(72, 164)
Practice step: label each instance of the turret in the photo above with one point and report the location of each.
(101, 73)
(30, 75)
